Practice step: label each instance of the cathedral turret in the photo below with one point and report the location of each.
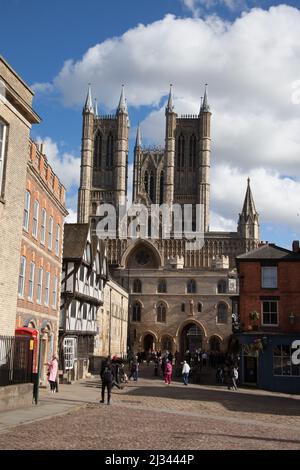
(204, 167)
(248, 225)
(86, 159)
(121, 153)
(170, 150)
(137, 163)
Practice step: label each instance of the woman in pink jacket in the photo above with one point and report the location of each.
(53, 370)
(168, 372)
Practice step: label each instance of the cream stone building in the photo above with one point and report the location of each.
(178, 298)
(16, 119)
(112, 322)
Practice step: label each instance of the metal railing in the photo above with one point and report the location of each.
(16, 360)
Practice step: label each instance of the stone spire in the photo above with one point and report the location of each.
(248, 225)
(96, 108)
(249, 206)
(170, 107)
(88, 107)
(122, 108)
(205, 106)
(138, 141)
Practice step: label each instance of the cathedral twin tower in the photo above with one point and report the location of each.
(177, 174)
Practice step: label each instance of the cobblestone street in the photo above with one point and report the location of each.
(151, 415)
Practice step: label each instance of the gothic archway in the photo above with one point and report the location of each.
(148, 342)
(191, 338)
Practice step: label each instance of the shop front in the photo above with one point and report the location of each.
(270, 361)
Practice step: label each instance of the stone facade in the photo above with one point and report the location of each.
(16, 119)
(112, 321)
(41, 252)
(178, 174)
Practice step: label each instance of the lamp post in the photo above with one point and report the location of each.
(37, 384)
(109, 339)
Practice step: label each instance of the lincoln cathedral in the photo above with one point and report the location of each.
(179, 299)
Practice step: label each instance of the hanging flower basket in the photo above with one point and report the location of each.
(254, 316)
(255, 348)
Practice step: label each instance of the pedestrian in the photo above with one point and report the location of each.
(234, 377)
(204, 359)
(134, 370)
(185, 372)
(156, 364)
(168, 372)
(106, 375)
(53, 371)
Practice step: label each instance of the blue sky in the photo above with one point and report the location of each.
(250, 58)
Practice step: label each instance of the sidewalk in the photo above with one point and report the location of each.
(69, 398)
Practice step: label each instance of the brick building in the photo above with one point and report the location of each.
(40, 263)
(269, 316)
(16, 119)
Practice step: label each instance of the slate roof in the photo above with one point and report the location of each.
(270, 251)
(75, 238)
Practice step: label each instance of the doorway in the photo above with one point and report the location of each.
(191, 338)
(148, 343)
(250, 370)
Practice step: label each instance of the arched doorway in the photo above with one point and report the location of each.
(191, 338)
(148, 343)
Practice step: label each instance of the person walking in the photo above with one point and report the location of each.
(234, 377)
(53, 371)
(168, 372)
(106, 375)
(185, 372)
(134, 370)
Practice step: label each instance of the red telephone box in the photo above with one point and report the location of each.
(33, 343)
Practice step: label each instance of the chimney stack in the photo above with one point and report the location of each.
(296, 247)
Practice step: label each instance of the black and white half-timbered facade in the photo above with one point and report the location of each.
(84, 275)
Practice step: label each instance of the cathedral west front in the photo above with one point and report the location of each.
(179, 299)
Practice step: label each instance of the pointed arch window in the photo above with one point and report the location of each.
(146, 181)
(109, 150)
(161, 313)
(222, 313)
(152, 187)
(180, 151)
(222, 286)
(191, 287)
(192, 160)
(137, 286)
(162, 286)
(98, 150)
(161, 188)
(136, 312)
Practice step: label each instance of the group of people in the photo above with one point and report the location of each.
(228, 374)
(113, 372)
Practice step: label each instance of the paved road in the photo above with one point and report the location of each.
(150, 415)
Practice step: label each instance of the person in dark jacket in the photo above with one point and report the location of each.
(107, 377)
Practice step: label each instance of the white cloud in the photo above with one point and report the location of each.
(42, 87)
(277, 198)
(199, 6)
(72, 217)
(250, 65)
